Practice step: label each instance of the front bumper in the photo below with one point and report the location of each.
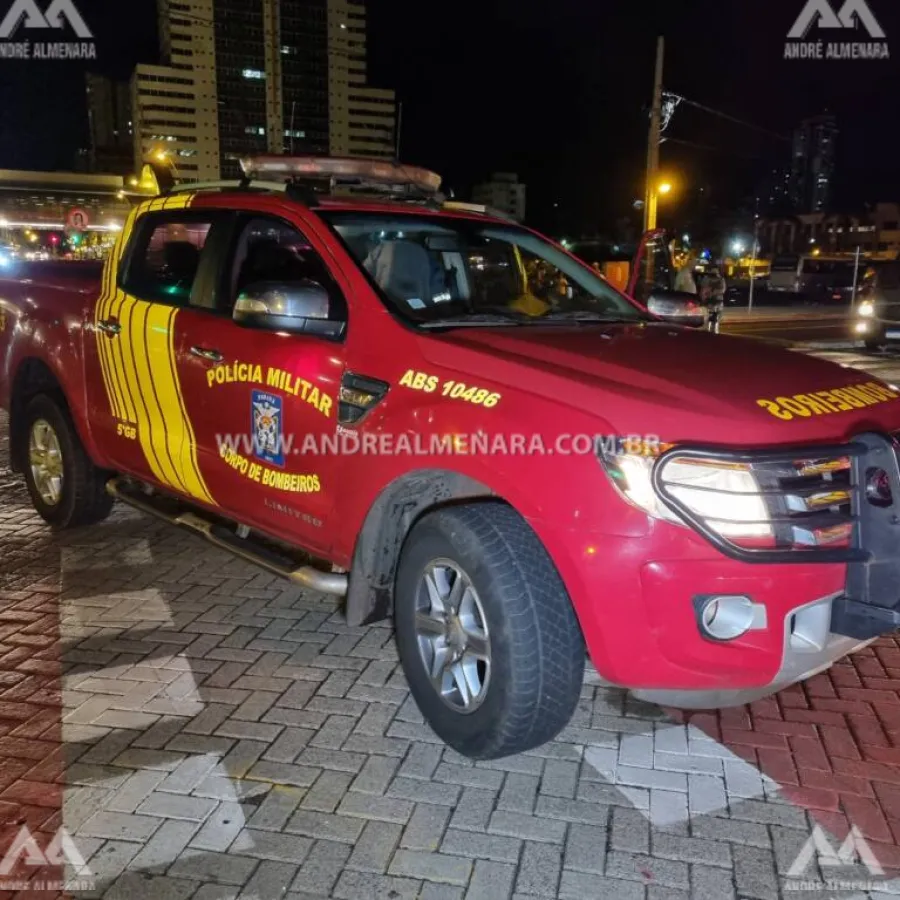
(636, 597)
(809, 647)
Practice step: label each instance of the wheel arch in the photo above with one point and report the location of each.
(33, 376)
(398, 507)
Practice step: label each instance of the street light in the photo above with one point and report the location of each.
(738, 247)
(665, 187)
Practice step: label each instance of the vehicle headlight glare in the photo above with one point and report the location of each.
(726, 496)
(866, 309)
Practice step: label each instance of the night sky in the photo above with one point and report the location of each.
(555, 90)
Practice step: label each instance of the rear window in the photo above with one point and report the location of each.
(166, 258)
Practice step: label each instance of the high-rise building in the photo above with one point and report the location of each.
(259, 76)
(813, 164)
(504, 192)
(109, 124)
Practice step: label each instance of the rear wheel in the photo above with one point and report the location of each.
(66, 488)
(489, 641)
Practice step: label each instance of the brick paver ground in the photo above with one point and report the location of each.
(205, 731)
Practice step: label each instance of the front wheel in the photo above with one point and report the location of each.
(66, 488)
(488, 639)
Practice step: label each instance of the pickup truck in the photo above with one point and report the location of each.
(444, 418)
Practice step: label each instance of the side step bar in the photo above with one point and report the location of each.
(306, 576)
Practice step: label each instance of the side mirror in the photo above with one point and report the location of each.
(678, 307)
(299, 307)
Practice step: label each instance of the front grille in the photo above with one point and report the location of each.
(811, 495)
(811, 501)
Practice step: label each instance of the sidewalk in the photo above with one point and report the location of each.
(761, 313)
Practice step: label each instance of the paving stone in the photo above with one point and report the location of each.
(708, 883)
(539, 869)
(519, 793)
(572, 810)
(385, 809)
(270, 879)
(647, 869)
(134, 791)
(431, 867)
(419, 791)
(481, 846)
(754, 873)
(120, 826)
(327, 791)
(342, 828)
(268, 845)
(376, 775)
(321, 869)
(219, 867)
(630, 831)
(689, 849)
(433, 891)
(469, 776)
(586, 849)
(579, 886)
(473, 811)
(526, 827)
(421, 761)
(111, 860)
(276, 808)
(375, 847)
(425, 828)
(560, 779)
(221, 828)
(176, 806)
(364, 886)
(748, 833)
(137, 884)
(491, 881)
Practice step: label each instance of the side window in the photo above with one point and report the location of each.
(270, 251)
(166, 259)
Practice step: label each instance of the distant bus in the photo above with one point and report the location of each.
(814, 277)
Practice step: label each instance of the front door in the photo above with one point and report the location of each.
(264, 405)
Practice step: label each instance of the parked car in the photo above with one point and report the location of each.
(444, 418)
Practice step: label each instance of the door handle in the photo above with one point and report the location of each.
(110, 327)
(212, 356)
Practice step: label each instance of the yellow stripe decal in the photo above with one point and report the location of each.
(140, 370)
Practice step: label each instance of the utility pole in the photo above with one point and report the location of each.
(651, 200)
(399, 134)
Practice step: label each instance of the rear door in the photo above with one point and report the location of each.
(136, 323)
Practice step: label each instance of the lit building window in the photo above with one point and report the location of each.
(254, 74)
(255, 129)
(294, 134)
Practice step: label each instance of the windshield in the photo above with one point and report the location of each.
(435, 270)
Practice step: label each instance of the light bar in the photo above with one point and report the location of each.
(368, 170)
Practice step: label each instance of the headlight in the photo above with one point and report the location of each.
(726, 496)
(866, 309)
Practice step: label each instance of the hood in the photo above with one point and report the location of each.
(677, 383)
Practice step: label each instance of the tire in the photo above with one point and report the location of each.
(874, 346)
(82, 497)
(534, 643)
